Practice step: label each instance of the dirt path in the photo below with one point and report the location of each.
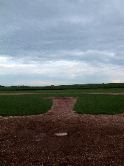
(87, 140)
(63, 107)
(20, 93)
(37, 93)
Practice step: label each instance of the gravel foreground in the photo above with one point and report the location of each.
(62, 138)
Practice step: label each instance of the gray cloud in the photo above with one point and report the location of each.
(85, 31)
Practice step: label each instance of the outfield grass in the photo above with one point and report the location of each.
(36, 103)
(70, 91)
(23, 105)
(100, 104)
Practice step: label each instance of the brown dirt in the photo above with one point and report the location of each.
(37, 93)
(20, 93)
(91, 140)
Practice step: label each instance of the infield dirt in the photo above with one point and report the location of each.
(91, 140)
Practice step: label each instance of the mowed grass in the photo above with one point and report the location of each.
(33, 104)
(69, 91)
(100, 104)
(23, 105)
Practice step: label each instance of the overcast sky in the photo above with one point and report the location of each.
(44, 42)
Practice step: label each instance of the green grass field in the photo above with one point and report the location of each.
(100, 104)
(23, 105)
(33, 104)
(70, 91)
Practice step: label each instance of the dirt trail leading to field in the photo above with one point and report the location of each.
(63, 106)
(44, 93)
(81, 140)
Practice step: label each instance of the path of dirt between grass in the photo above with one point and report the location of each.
(38, 93)
(21, 93)
(90, 141)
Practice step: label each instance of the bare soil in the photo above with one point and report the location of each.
(37, 93)
(90, 140)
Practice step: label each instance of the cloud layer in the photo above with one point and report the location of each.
(61, 42)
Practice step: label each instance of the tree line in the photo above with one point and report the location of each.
(62, 87)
